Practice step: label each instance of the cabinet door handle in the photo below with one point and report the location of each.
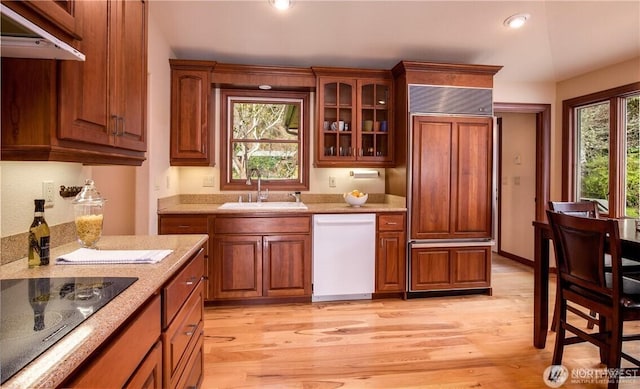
(191, 329)
(391, 223)
(114, 125)
(122, 127)
(191, 281)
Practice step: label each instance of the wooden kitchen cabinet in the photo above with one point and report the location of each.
(450, 268)
(355, 118)
(149, 374)
(183, 324)
(55, 16)
(452, 177)
(103, 100)
(92, 112)
(266, 258)
(191, 224)
(161, 345)
(130, 355)
(191, 142)
(391, 253)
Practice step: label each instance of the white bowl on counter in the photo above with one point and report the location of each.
(355, 201)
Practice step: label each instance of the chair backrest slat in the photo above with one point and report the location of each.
(579, 208)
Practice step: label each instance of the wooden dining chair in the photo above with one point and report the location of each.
(587, 208)
(583, 209)
(580, 245)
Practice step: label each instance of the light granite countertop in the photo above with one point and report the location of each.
(210, 204)
(52, 367)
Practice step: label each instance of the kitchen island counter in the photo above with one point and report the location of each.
(53, 366)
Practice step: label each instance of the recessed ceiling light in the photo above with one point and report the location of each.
(516, 21)
(281, 4)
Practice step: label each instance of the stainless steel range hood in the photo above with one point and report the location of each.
(23, 39)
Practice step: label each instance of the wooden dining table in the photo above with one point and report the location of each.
(630, 242)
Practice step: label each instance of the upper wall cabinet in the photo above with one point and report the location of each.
(191, 138)
(92, 112)
(355, 124)
(57, 16)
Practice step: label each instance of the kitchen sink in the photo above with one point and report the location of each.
(266, 205)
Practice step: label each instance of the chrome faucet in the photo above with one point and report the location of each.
(295, 195)
(261, 196)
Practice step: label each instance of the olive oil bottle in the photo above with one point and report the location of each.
(39, 237)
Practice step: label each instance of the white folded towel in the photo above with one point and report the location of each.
(90, 256)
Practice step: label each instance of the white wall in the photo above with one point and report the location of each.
(117, 185)
(156, 179)
(518, 183)
(22, 183)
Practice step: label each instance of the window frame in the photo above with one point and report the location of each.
(615, 97)
(263, 96)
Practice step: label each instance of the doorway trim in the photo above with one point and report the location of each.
(543, 160)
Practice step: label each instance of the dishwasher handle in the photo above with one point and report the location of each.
(343, 222)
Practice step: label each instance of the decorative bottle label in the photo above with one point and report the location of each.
(39, 237)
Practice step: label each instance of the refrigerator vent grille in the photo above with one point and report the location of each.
(450, 100)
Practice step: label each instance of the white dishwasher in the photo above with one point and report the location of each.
(343, 256)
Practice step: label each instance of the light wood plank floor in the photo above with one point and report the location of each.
(473, 341)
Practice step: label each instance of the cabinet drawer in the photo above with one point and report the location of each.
(182, 335)
(193, 374)
(177, 291)
(182, 225)
(262, 225)
(123, 354)
(391, 222)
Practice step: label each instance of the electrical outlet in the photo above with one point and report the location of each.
(332, 182)
(208, 181)
(48, 193)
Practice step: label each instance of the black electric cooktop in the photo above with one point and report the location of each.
(37, 312)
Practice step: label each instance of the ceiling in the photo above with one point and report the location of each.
(562, 39)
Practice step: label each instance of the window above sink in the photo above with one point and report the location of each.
(266, 131)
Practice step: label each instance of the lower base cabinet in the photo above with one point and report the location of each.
(265, 258)
(128, 356)
(183, 324)
(149, 374)
(442, 268)
(190, 224)
(390, 253)
(161, 345)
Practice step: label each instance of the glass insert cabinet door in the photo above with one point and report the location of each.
(337, 99)
(374, 120)
(355, 122)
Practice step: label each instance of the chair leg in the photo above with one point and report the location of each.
(603, 326)
(615, 351)
(556, 309)
(561, 310)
